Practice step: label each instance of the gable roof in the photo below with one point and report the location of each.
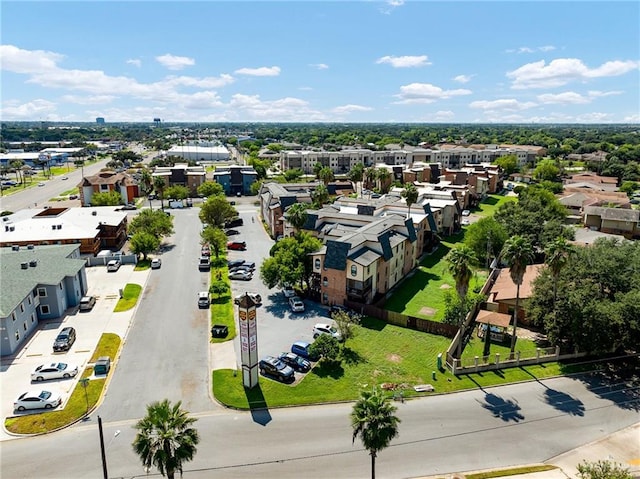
(505, 289)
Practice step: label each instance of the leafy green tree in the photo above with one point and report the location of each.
(317, 168)
(293, 174)
(508, 164)
(166, 438)
(210, 188)
(410, 195)
(156, 223)
(554, 187)
(326, 175)
(460, 261)
(326, 347)
(374, 421)
(216, 238)
(219, 287)
(160, 184)
(144, 243)
(603, 470)
(110, 198)
(629, 187)
(216, 211)
(486, 238)
(546, 170)
(345, 323)
(296, 214)
(177, 192)
(517, 253)
(290, 261)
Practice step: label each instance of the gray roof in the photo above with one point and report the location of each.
(364, 257)
(619, 214)
(53, 265)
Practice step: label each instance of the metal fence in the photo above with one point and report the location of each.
(103, 260)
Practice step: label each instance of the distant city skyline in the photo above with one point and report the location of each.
(315, 61)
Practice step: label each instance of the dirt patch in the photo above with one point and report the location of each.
(427, 311)
(394, 358)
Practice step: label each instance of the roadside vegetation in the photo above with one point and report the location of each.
(222, 300)
(130, 295)
(80, 402)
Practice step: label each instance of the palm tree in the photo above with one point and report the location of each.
(297, 215)
(326, 175)
(373, 420)
(517, 252)
(356, 174)
(17, 167)
(320, 196)
(557, 254)
(410, 195)
(146, 180)
(159, 184)
(165, 438)
(384, 179)
(370, 175)
(460, 260)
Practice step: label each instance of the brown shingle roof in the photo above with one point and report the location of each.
(504, 288)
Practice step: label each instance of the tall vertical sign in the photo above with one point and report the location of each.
(248, 341)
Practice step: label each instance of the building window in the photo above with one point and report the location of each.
(325, 297)
(24, 326)
(44, 309)
(325, 281)
(317, 263)
(17, 335)
(33, 318)
(13, 315)
(42, 292)
(354, 270)
(60, 286)
(22, 307)
(29, 299)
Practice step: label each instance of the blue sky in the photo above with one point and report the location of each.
(303, 61)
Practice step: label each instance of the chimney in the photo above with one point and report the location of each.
(33, 263)
(24, 265)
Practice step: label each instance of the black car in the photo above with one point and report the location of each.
(65, 339)
(298, 363)
(232, 232)
(235, 262)
(274, 367)
(233, 223)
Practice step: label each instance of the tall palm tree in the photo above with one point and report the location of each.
(373, 420)
(460, 260)
(17, 168)
(557, 254)
(356, 174)
(384, 179)
(370, 175)
(165, 438)
(410, 195)
(146, 180)
(297, 215)
(160, 184)
(517, 252)
(326, 175)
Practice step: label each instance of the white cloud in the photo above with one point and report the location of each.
(135, 62)
(390, 5)
(27, 111)
(207, 82)
(635, 118)
(426, 93)
(173, 62)
(561, 71)
(506, 104)
(259, 72)
(598, 94)
(284, 109)
(444, 115)
(319, 66)
(88, 100)
(463, 78)
(406, 61)
(339, 110)
(545, 48)
(17, 60)
(565, 98)
(594, 117)
(305, 88)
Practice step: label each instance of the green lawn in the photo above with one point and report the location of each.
(489, 206)
(379, 353)
(222, 307)
(129, 297)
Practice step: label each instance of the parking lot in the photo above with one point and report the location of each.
(278, 326)
(89, 325)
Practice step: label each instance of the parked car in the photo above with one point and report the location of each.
(102, 365)
(298, 363)
(326, 328)
(232, 232)
(465, 222)
(203, 299)
(237, 245)
(235, 262)
(249, 264)
(113, 265)
(87, 303)
(274, 367)
(243, 275)
(152, 196)
(288, 292)
(204, 264)
(301, 348)
(232, 223)
(205, 251)
(156, 263)
(219, 331)
(45, 372)
(337, 308)
(37, 400)
(65, 339)
(242, 267)
(41, 184)
(73, 197)
(296, 304)
(466, 212)
(255, 297)
(129, 206)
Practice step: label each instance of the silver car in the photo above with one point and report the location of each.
(54, 371)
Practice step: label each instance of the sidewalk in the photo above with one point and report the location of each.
(622, 447)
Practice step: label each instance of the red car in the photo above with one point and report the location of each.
(237, 245)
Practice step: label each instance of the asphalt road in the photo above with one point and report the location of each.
(498, 427)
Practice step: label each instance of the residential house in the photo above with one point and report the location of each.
(621, 221)
(502, 294)
(37, 283)
(588, 179)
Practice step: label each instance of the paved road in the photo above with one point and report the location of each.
(510, 425)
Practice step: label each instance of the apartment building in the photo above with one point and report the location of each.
(181, 174)
(106, 182)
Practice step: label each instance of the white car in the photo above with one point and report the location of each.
(156, 263)
(325, 328)
(54, 371)
(296, 304)
(113, 265)
(288, 292)
(37, 400)
(466, 212)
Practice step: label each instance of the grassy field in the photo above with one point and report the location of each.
(489, 206)
(222, 307)
(129, 297)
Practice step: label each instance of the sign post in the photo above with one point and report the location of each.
(248, 341)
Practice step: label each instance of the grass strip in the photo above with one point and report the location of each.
(222, 306)
(514, 471)
(129, 298)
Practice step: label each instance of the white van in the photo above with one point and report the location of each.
(203, 299)
(113, 265)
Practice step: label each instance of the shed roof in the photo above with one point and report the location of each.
(494, 318)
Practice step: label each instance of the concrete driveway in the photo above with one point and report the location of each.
(89, 325)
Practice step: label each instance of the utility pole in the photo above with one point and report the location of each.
(102, 450)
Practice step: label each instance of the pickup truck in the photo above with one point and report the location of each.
(204, 263)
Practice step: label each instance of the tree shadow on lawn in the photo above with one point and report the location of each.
(372, 323)
(351, 357)
(490, 200)
(332, 369)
